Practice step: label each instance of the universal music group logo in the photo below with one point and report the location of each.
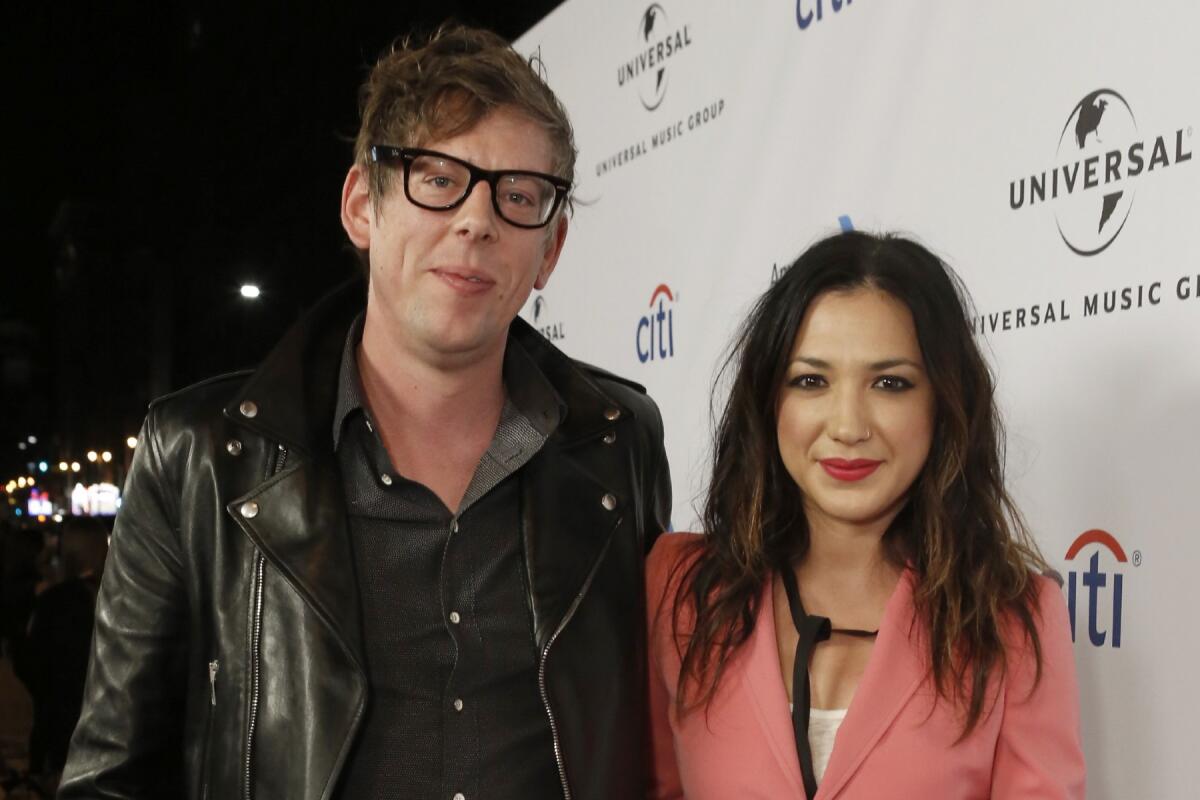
(657, 43)
(1100, 160)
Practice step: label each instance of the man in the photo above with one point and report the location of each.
(403, 558)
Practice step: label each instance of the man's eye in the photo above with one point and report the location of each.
(440, 181)
(893, 383)
(518, 199)
(807, 382)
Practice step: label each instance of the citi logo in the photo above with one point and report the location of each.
(656, 330)
(810, 11)
(1104, 588)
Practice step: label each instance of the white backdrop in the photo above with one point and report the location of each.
(933, 118)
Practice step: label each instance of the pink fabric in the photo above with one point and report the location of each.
(896, 741)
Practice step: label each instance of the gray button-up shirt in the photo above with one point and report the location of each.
(448, 636)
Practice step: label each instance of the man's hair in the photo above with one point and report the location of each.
(441, 86)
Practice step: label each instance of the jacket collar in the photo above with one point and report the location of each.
(301, 523)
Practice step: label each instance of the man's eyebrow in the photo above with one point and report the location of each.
(887, 363)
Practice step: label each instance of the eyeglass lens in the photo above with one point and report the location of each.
(521, 199)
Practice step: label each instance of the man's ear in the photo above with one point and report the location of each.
(554, 246)
(356, 208)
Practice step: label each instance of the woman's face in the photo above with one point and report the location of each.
(856, 409)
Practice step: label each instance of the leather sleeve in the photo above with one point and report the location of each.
(657, 490)
(1039, 752)
(128, 743)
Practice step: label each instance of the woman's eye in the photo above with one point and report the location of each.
(893, 383)
(807, 382)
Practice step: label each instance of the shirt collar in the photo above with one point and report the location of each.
(525, 385)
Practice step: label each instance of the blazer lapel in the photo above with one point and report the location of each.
(765, 685)
(896, 670)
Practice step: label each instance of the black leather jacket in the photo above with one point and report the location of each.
(227, 659)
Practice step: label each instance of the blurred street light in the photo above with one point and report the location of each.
(75, 466)
(31, 439)
(92, 456)
(131, 442)
(106, 456)
(62, 466)
(20, 483)
(250, 291)
(43, 466)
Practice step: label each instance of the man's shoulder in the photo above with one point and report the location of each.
(610, 380)
(199, 403)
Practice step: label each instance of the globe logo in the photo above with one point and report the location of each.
(1096, 132)
(652, 87)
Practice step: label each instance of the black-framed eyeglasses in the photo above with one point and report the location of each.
(440, 182)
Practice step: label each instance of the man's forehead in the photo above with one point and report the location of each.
(504, 133)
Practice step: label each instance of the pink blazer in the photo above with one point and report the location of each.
(895, 741)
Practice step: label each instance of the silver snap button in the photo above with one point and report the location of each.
(249, 409)
(233, 447)
(610, 437)
(458, 704)
(455, 618)
(454, 526)
(386, 479)
(249, 509)
(609, 501)
(612, 414)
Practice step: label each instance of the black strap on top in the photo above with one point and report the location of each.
(812, 630)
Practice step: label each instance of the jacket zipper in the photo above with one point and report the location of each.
(213, 667)
(256, 598)
(558, 754)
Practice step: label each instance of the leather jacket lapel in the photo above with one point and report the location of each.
(300, 526)
(576, 491)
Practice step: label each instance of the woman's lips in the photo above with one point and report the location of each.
(849, 470)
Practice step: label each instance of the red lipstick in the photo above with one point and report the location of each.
(850, 469)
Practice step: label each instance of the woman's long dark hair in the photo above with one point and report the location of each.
(972, 557)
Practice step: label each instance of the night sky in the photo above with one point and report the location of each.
(155, 157)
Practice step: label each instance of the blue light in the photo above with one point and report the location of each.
(43, 466)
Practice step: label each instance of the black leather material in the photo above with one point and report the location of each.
(182, 589)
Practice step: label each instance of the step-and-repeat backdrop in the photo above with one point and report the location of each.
(1045, 150)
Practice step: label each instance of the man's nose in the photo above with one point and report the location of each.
(476, 217)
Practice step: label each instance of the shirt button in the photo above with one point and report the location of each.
(455, 618)
(386, 479)
(459, 796)
(458, 704)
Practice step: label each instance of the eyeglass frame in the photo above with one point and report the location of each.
(385, 153)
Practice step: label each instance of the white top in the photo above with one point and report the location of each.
(823, 726)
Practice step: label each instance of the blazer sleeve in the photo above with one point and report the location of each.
(665, 783)
(1039, 754)
(128, 742)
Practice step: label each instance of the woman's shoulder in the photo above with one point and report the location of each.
(671, 555)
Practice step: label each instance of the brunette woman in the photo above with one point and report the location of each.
(866, 616)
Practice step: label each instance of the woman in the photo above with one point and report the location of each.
(863, 559)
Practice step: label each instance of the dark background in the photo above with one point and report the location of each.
(155, 157)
